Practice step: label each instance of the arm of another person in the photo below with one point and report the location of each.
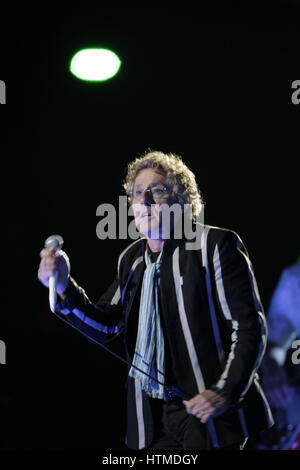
(283, 315)
(282, 319)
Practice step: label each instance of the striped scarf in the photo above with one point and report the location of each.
(149, 350)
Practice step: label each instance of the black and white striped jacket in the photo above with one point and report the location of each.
(215, 326)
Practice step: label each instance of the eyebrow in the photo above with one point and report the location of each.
(151, 185)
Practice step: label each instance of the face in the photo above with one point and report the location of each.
(147, 205)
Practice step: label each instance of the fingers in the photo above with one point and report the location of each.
(50, 259)
(45, 273)
(48, 265)
(54, 263)
(193, 402)
(203, 413)
(200, 408)
(203, 401)
(205, 405)
(51, 253)
(204, 416)
(46, 252)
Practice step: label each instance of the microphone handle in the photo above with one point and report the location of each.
(52, 293)
(54, 242)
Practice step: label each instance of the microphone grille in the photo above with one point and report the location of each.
(54, 242)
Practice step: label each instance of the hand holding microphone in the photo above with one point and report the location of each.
(54, 269)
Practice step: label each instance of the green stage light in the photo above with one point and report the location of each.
(96, 65)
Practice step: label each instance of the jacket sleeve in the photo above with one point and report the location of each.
(100, 321)
(238, 299)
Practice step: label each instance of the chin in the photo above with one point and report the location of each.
(151, 232)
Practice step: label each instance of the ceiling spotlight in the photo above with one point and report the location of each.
(96, 65)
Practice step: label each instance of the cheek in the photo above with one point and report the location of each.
(136, 209)
(155, 211)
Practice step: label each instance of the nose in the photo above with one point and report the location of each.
(146, 198)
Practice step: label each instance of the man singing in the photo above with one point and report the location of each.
(193, 324)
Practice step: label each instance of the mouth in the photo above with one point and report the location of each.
(146, 214)
(145, 218)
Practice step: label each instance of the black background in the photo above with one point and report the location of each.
(212, 86)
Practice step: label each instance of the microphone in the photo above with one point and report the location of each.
(53, 243)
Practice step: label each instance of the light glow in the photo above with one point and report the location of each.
(95, 65)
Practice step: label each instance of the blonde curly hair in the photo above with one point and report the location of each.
(178, 176)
